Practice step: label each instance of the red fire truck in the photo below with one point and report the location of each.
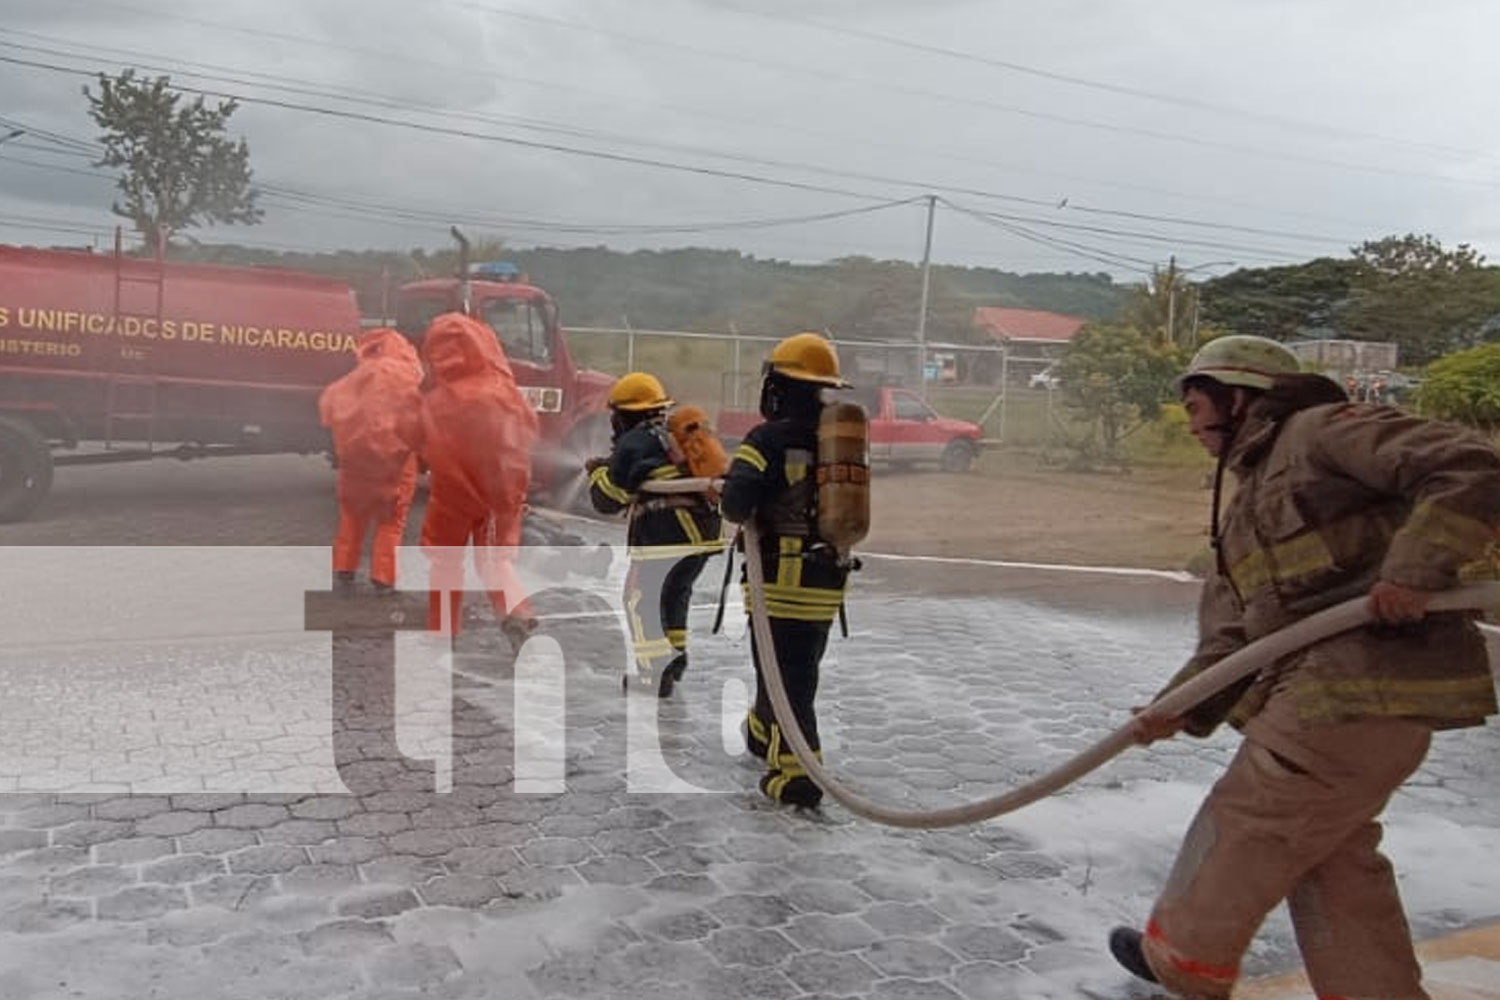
(109, 358)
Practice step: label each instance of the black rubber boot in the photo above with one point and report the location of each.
(671, 674)
(343, 582)
(799, 791)
(1125, 946)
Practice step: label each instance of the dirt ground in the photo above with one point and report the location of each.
(1015, 509)
(1011, 509)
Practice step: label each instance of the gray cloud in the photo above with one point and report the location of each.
(1340, 121)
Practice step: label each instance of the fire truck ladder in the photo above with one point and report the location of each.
(130, 397)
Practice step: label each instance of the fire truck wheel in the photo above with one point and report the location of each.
(958, 456)
(25, 469)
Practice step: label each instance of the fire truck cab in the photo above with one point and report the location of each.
(570, 401)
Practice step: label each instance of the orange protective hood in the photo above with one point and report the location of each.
(385, 343)
(478, 427)
(456, 346)
(375, 414)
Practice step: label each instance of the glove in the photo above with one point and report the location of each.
(591, 464)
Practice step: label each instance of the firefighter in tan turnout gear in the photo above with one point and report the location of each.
(771, 479)
(670, 536)
(1334, 500)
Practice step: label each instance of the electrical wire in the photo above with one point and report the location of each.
(1125, 235)
(720, 56)
(1176, 100)
(439, 129)
(433, 129)
(278, 83)
(633, 140)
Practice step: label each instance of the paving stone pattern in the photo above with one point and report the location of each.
(601, 890)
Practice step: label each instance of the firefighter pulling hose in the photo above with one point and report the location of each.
(1193, 691)
(1332, 633)
(1351, 614)
(1341, 618)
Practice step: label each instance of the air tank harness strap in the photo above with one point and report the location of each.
(736, 543)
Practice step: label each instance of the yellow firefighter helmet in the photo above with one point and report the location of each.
(807, 357)
(1242, 360)
(637, 392)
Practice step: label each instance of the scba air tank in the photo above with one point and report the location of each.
(843, 477)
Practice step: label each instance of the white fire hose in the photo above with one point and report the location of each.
(1240, 664)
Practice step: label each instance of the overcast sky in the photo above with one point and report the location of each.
(1077, 135)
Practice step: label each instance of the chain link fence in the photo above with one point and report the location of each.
(1008, 391)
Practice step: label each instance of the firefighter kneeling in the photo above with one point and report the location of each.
(776, 478)
(670, 536)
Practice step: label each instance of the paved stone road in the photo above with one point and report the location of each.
(280, 840)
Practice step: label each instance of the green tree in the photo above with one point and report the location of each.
(1162, 307)
(179, 171)
(1426, 299)
(1464, 387)
(1114, 376)
(1279, 302)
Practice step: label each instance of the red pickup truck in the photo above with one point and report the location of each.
(904, 430)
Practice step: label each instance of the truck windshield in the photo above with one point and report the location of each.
(905, 407)
(521, 327)
(414, 315)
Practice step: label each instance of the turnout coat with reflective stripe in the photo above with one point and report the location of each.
(771, 479)
(1329, 500)
(662, 526)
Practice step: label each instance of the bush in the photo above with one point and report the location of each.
(1464, 387)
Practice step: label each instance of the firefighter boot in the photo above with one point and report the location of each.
(343, 582)
(671, 674)
(642, 680)
(1125, 946)
(793, 790)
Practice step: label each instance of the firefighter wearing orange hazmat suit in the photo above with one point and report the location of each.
(375, 416)
(477, 434)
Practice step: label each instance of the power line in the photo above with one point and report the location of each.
(1177, 100)
(1011, 220)
(1098, 254)
(280, 83)
(470, 134)
(441, 215)
(721, 56)
(367, 211)
(64, 225)
(652, 162)
(717, 115)
(1125, 235)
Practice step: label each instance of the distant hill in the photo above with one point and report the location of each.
(712, 290)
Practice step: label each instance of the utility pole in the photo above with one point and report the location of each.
(922, 310)
(1172, 300)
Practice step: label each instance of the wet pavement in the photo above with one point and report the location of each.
(219, 802)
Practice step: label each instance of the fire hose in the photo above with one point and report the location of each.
(1242, 663)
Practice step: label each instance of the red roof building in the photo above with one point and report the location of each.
(1036, 326)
